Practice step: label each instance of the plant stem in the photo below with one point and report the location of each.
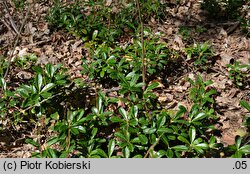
(143, 48)
(153, 145)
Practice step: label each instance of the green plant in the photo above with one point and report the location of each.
(84, 18)
(246, 105)
(26, 62)
(245, 24)
(33, 98)
(239, 149)
(199, 52)
(3, 65)
(185, 32)
(108, 62)
(200, 92)
(238, 72)
(121, 118)
(19, 4)
(223, 9)
(200, 29)
(141, 129)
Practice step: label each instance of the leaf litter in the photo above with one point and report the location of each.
(60, 47)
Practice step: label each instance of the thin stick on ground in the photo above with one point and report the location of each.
(13, 24)
(17, 40)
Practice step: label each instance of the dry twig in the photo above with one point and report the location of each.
(17, 39)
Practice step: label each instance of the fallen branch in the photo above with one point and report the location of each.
(16, 41)
(13, 24)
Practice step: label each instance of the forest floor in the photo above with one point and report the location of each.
(228, 43)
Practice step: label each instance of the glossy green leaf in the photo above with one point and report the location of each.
(200, 116)
(23, 92)
(245, 149)
(238, 141)
(48, 87)
(123, 113)
(152, 86)
(120, 135)
(192, 134)
(50, 70)
(32, 142)
(74, 131)
(46, 95)
(164, 130)
(180, 148)
(245, 105)
(183, 139)
(100, 152)
(3, 84)
(94, 132)
(161, 121)
(94, 110)
(138, 156)
(149, 130)
(181, 111)
(170, 153)
(126, 152)
(135, 111)
(111, 147)
(171, 137)
(94, 35)
(139, 85)
(212, 140)
(202, 145)
(52, 141)
(237, 154)
(116, 119)
(143, 139)
(135, 140)
(198, 150)
(52, 153)
(134, 79)
(39, 81)
(100, 104)
(102, 73)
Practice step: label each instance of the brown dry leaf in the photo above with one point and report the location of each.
(228, 139)
(219, 82)
(222, 34)
(23, 52)
(166, 98)
(108, 2)
(169, 30)
(120, 103)
(225, 58)
(24, 75)
(48, 49)
(42, 26)
(75, 46)
(178, 40)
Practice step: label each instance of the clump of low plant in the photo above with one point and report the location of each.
(185, 32)
(3, 65)
(223, 9)
(238, 72)
(107, 63)
(200, 53)
(246, 105)
(109, 21)
(26, 61)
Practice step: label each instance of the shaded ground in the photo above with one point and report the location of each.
(227, 40)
